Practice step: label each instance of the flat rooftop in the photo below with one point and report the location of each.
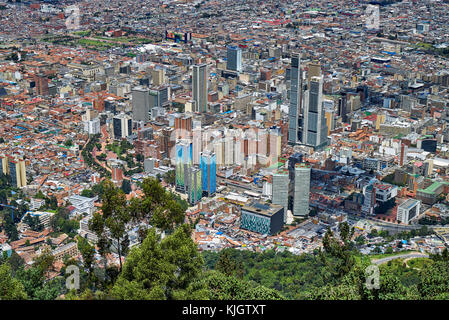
(265, 209)
(408, 204)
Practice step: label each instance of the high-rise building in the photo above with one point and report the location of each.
(159, 96)
(262, 218)
(408, 211)
(158, 76)
(234, 59)
(403, 154)
(208, 172)
(16, 169)
(199, 87)
(122, 126)
(117, 173)
(41, 84)
(197, 144)
(141, 104)
(296, 100)
(183, 163)
(280, 190)
(343, 107)
(193, 185)
(369, 201)
(315, 128)
(301, 190)
(183, 126)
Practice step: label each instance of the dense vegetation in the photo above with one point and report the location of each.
(166, 263)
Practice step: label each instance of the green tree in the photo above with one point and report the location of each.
(340, 249)
(157, 206)
(126, 186)
(110, 226)
(170, 177)
(227, 265)
(160, 269)
(10, 288)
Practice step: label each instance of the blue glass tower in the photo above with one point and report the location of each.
(208, 173)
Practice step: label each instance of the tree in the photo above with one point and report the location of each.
(10, 288)
(221, 287)
(68, 143)
(15, 261)
(157, 206)
(126, 186)
(227, 265)
(160, 269)
(340, 249)
(170, 177)
(110, 226)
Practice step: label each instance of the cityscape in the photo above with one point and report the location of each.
(224, 150)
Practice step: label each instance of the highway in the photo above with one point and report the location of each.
(401, 256)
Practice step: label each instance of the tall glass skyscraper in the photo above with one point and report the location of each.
(208, 172)
(280, 190)
(296, 96)
(183, 164)
(315, 127)
(141, 104)
(234, 59)
(199, 87)
(301, 190)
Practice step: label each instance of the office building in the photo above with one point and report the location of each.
(16, 169)
(369, 201)
(296, 100)
(315, 128)
(41, 84)
(183, 163)
(280, 190)
(408, 211)
(301, 190)
(262, 218)
(92, 126)
(193, 185)
(199, 87)
(141, 104)
(158, 76)
(234, 59)
(117, 173)
(208, 173)
(403, 154)
(122, 126)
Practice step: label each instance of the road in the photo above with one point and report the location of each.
(400, 256)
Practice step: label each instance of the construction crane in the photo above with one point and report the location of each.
(12, 209)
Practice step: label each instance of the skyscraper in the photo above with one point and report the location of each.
(301, 190)
(122, 126)
(208, 172)
(296, 97)
(141, 104)
(315, 127)
(280, 190)
(16, 169)
(183, 163)
(193, 185)
(199, 87)
(41, 83)
(158, 76)
(234, 59)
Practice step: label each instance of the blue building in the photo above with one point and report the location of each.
(234, 59)
(262, 218)
(183, 164)
(208, 173)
